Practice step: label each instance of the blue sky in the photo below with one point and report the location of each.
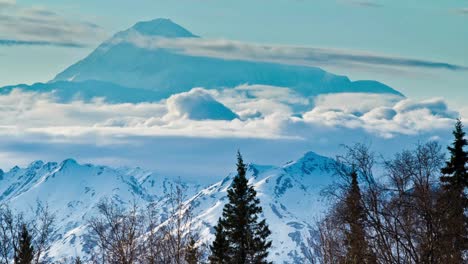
(428, 30)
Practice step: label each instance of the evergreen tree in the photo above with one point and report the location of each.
(454, 232)
(220, 247)
(246, 234)
(358, 249)
(25, 252)
(456, 171)
(78, 260)
(192, 255)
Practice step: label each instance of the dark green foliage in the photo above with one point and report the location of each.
(220, 247)
(455, 172)
(453, 199)
(357, 246)
(244, 232)
(78, 260)
(192, 255)
(25, 252)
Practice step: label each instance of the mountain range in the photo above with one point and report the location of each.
(289, 194)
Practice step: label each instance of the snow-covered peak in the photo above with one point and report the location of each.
(68, 163)
(134, 59)
(162, 27)
(36, 164)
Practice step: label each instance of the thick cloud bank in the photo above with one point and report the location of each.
(272, 124)
(252, 111)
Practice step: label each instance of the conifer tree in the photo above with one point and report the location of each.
(246, 234)
(25, 252)
(78, 260)
(192, 255)
(456, 171)
(220, 247)
(358, 250)
(454, 201)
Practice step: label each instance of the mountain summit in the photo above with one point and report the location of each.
(159, 27)
(162, 27)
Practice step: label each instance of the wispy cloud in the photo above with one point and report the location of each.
(7, 3)
(366, 4)
(462, 11)
(11, 42)
(41, 26)
(310, 56)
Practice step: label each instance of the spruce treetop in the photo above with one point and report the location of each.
(240, 228)
(455, 171)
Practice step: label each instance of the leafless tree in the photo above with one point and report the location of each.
(42, 229)
(158, 234)
(176, 229)
(402, 219)
(41, 226)
(10, 224)
(117, 232)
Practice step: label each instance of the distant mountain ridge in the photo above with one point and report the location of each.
(289, 194)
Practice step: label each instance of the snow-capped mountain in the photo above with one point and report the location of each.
(72, 191)
(290, 196)
(119, 65)
(119, 60)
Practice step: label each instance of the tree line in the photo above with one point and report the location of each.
(412, 210)
(414, 213)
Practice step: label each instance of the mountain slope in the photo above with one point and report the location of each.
(65, 91)
(291, 201)
(72, 191)
(119, 60)
(290, 196)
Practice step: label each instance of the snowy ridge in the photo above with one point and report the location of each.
(290, 196)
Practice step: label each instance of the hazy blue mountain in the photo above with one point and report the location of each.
(168, 72)
(65, 91)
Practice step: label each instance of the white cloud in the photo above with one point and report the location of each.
(354, 103)
(274, 125)
(385, 115)
(464, 114)
(198, 104)
(7, 3)
(264, 112)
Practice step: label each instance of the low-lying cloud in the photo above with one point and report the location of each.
(249, 111)
(271, 125)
